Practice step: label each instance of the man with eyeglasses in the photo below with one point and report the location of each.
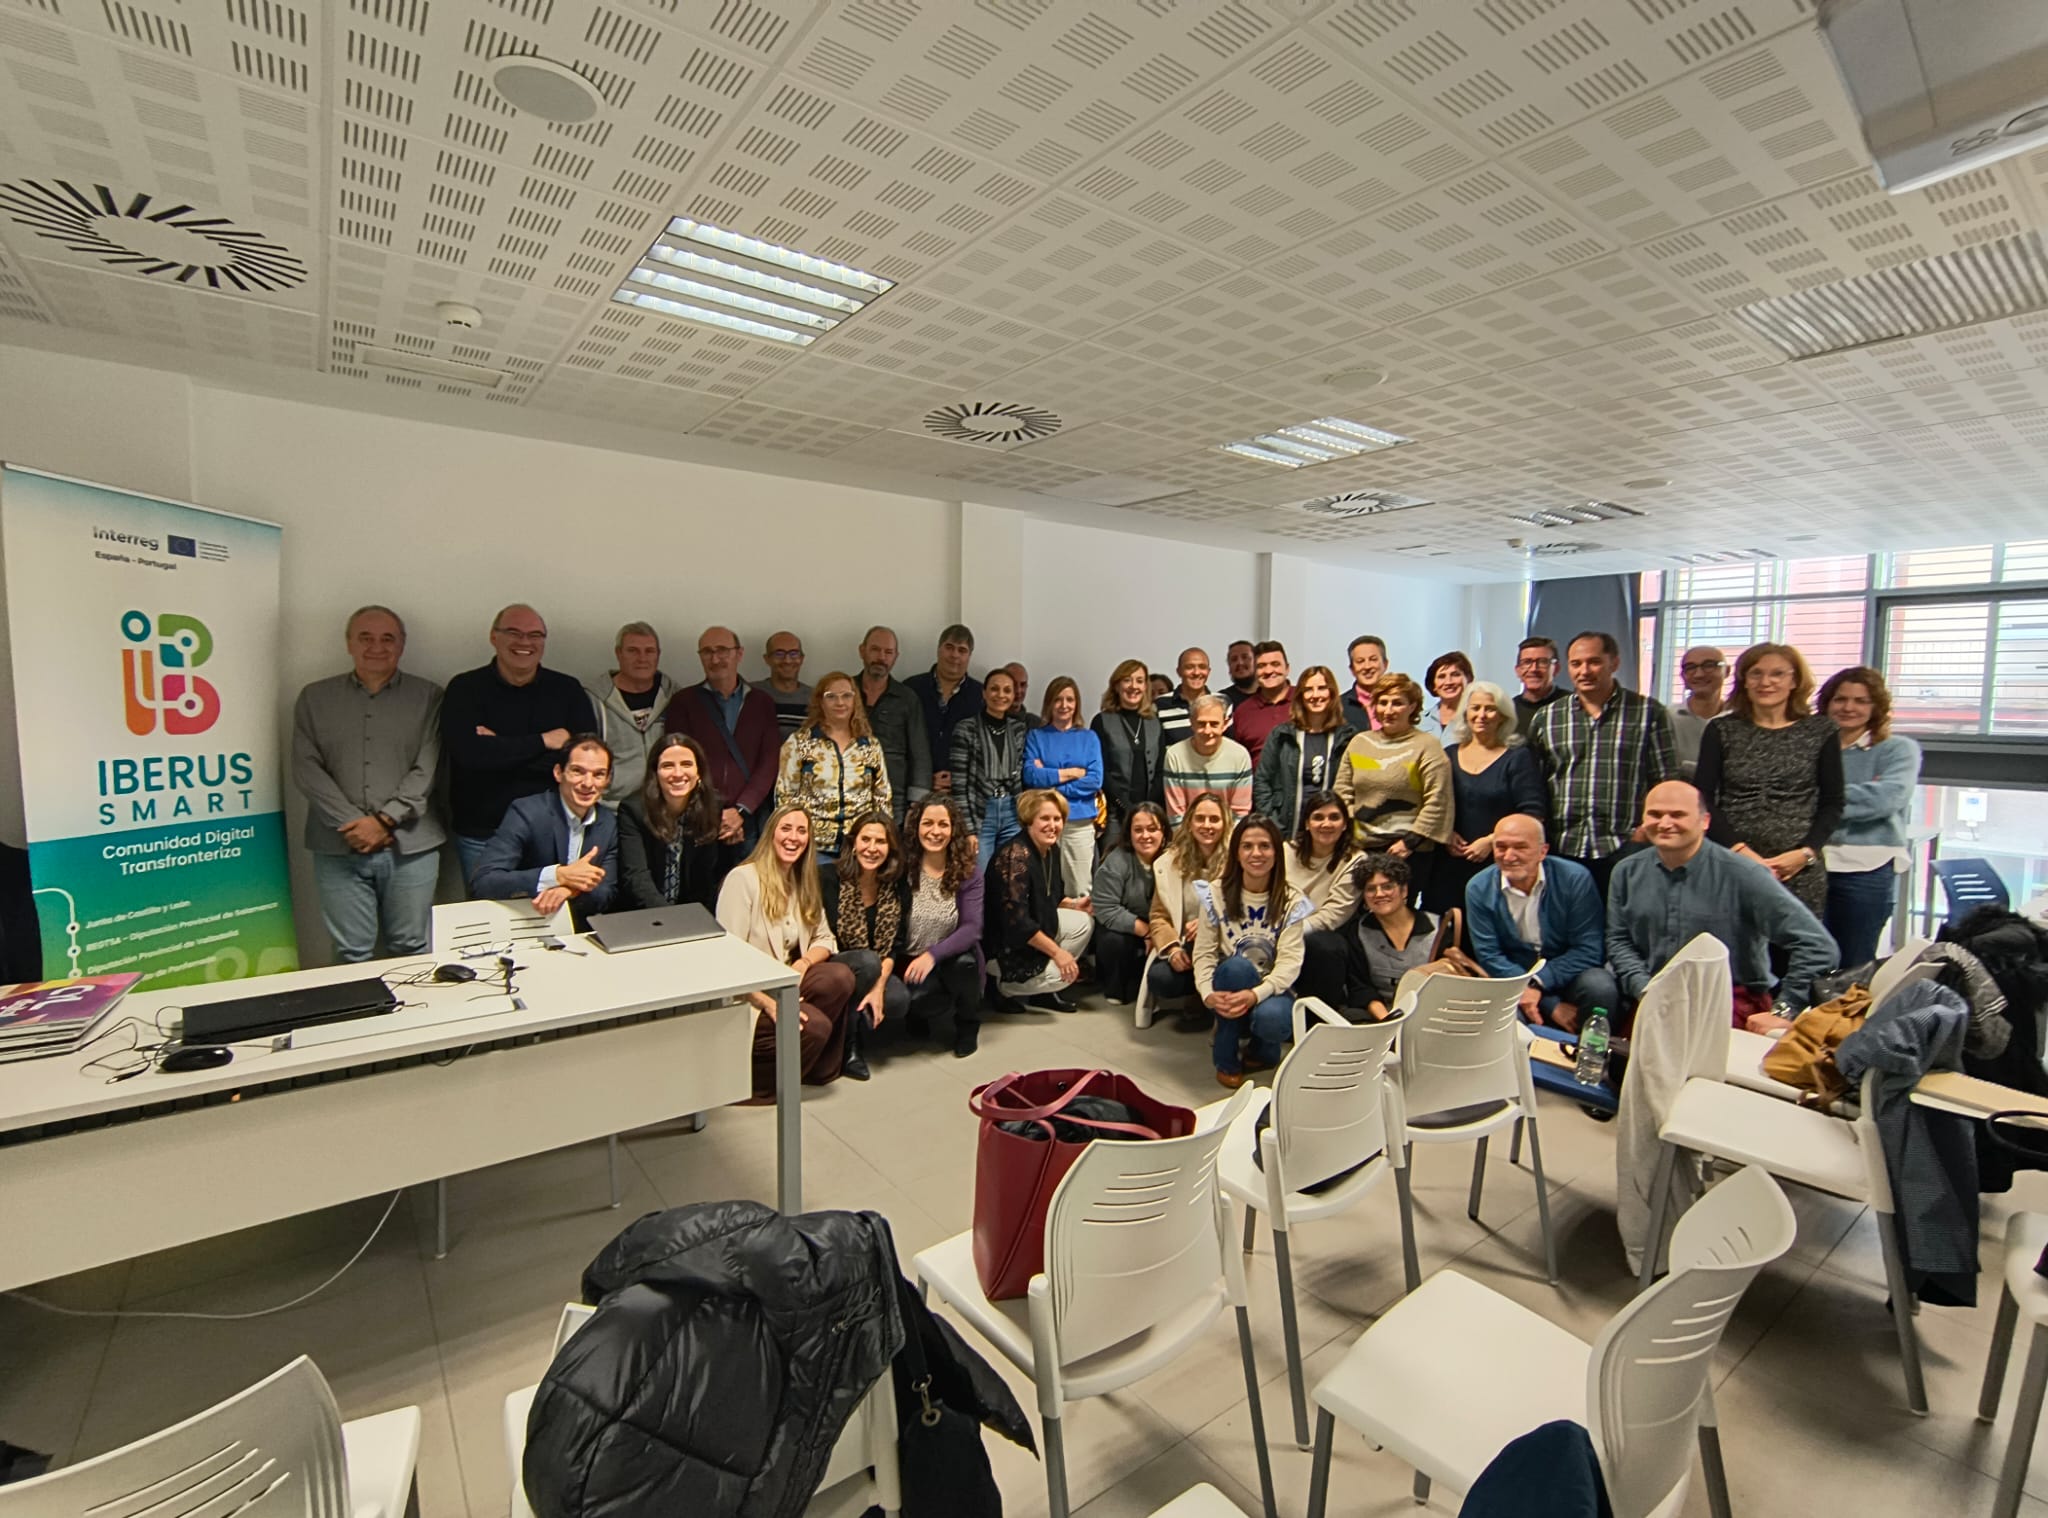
(737, 726)
(562, 848)
(1705, 672)
(1536, 669)
(792, 697)
(504, 727)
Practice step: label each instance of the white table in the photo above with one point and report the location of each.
(92, 1172)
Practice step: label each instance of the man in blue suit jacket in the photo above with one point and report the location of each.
(1523, 889)
(559, 847)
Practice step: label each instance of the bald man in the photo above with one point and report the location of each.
(737, 727)
(504, 728)
(1526, 907)
(1685, 884)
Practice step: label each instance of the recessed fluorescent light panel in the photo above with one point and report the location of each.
(2006, 276)
(1725, 556)
(1316, 442)
(1576, 516)
(701, 273)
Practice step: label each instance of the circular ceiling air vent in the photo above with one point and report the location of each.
(992, 422)
(162, 239)
(1348, 504)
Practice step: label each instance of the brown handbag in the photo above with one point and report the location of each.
(1021, 1156)
(1805, 1055)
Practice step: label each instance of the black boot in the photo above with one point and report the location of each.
(854, 1067)
(966, 1038)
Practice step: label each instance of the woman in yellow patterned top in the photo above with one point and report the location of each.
(1397, 781)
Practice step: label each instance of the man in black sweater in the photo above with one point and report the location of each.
(502, 728)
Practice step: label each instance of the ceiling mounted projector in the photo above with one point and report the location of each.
(1941, 87)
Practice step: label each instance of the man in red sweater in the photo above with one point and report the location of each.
(739, 730)
(1270, 703)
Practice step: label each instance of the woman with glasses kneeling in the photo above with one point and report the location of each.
(1248, 952)
(1393, 940)
(774, 902)
(1038, 927)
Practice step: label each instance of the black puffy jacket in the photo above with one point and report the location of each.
(729, 1347)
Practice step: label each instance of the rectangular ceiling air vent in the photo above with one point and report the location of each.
(2007, 276)
(445, 369)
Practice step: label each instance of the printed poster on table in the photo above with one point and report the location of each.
(143, 637)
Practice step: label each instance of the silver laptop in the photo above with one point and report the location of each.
(653, 927)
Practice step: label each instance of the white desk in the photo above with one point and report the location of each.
(92, 1172)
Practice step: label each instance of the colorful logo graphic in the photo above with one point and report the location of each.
(157, 676)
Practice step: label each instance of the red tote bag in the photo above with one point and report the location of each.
(1015, 1177)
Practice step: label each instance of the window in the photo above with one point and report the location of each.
(1961, 633)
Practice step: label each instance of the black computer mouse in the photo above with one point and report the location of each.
(195, 1057)
(453, 975)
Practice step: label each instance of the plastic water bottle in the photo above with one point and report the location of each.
(1591, 1069)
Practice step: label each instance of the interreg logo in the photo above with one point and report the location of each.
(157, 674)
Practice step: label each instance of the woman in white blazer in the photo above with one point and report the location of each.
(775, 903)
(1197, 852)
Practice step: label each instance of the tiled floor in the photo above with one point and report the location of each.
(1811, 1405)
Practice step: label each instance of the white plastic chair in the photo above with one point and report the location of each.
(1463, 1074)
(1138, 1264)
(1455, 1372)
(1841, 1157)
(2026, 1234)
(276, 1449)
(862, 1473)
(1329, 1117)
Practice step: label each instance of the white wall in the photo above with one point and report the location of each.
(1318, 608)
(1093, 598)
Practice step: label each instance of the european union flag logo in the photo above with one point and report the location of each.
(184, 548)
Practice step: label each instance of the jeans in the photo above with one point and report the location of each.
(361, 894)
(1860, 903)
(468, 851)
(1119, 960)
(1590, 988)
(998, 826)
(1169, 984)
(1266, 1027)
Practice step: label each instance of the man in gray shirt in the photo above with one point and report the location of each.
(1658, 902)
(365, 746)
(897, 717)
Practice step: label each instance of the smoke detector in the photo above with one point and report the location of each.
(163, 239)
(453, 313)
(544, 88)
(992, 422)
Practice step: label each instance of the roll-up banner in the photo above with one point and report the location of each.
(143, 636)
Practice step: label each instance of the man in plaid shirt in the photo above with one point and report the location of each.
(1601, 750)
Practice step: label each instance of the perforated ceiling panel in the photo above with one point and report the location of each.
(1514, 231)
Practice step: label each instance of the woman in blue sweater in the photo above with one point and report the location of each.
(1880, 770)
(1065, 756)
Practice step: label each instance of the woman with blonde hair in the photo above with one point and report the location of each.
(1302, 754)
(1039, 923)
(1770, 772)
(773, 901)
(1198, 852)
(833, 766)
(1133, 748)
